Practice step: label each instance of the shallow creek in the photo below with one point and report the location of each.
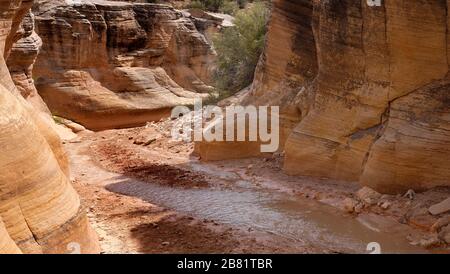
(299, 220)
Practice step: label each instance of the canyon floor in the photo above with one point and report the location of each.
(148, 194)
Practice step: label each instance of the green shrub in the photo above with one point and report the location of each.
(58, 120)
(241, 3)
(222, 6)
(196, 5)
(239, 48)
(209, 5)
(229, 7)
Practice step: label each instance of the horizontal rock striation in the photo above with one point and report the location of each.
(363, 91)
(110, 64)
(40, 212)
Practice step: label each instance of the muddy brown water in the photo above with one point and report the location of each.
(300, 220)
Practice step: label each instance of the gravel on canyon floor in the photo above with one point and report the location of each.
(148, 154)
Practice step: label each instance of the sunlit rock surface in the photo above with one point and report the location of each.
(40, 212)
(110, 64)
(363, 91)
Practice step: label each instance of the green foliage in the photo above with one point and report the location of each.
(195, 5)
(222, 6)
(241, 3)
(229, 7)
(58, 120)
(209, 5)
(239, 48)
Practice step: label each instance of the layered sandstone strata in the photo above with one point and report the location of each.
(110, 64)
(363, 90)
(20, 63)
(40, 212)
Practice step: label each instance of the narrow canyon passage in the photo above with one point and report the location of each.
(355, 96)
(222, 207)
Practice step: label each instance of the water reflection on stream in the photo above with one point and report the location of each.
(297, 219)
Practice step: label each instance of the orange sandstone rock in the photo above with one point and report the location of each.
(40, 212)
(363, 91)
(107, 64)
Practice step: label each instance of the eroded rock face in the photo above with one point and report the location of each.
(363, 91)
(40, 212)
(20, 63)
(114, 64)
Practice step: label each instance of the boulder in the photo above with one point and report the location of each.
(368, 195)
(349, 204)
(440, 208)
(444, 234)
(410, 194)
(440, 223)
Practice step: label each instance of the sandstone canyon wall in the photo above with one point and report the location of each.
(364, 91)
(111, 64)
(40, 212)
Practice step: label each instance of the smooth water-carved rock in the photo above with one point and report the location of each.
(21, 59)
(109, 64)
(369, 57)
(40, 212)
(363, 91)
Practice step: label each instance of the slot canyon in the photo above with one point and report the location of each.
(88, 159)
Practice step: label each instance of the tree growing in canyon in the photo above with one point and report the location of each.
(210, 5)
(238, 49)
